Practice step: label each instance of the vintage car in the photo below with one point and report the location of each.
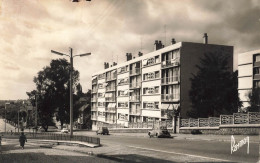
(159, 132)
(103, 131)
(64, 130)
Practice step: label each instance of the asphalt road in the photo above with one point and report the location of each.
(199, 150)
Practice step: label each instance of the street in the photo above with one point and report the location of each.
(133, 148)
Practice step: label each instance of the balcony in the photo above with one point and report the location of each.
(135, 112)
(257, 64)
(136, 71)
(109, 89)
(257, 77)
(94, 109)
(171, 63)
(110, 120)
(135, 98)
(170, 98)
(110, 110)
(94, 99)
(93, 117)
(110, 99)
(94, 82)
(110, 78)
(170, 80)
(94, 91)
(135, 85)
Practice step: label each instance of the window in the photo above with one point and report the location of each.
(123, 93)
(151, 90)
(257, 58)
(122, 69)
(151, 75)
(151, 61)
(101, 104)
(122, 81)
(100, 86)
(256, 70)
(256, 84)
(101, 76)
(122, 104)
(151, 105)
(101, 95)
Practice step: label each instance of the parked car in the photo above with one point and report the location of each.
(64, 130)
(103, 131)
(160, 132)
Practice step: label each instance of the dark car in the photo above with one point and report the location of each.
(160, 132)
(103, 131)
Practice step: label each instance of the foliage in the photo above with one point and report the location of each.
(213, 88)
(53, 93)
(254, 100)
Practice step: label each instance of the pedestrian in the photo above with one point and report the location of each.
(22, 140)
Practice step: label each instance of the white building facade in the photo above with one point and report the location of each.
(248, 74)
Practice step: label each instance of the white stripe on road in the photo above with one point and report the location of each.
(156, 150)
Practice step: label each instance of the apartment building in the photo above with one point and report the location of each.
(145, 88)
(248, 74)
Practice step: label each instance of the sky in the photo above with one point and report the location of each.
(30, 29)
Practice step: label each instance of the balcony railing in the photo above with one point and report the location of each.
(135, 112)
(135, 85)
(109, 120)
(94, 109)
(170, 80)
(257, 76)
(135, 71)
(110, 89)
(94, 90)
(94, 99)
(170, 98)
(94, 82)
(171, 63)
(93, 117)
(110, 110)
(111, 78)
(257, 64)
(110, 99)
(135, 98)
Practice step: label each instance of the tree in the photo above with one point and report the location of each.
(254, 100)
(53, 94)
(213, 88)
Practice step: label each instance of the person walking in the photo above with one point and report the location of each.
(22, 140)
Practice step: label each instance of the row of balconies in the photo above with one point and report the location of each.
(137, 98)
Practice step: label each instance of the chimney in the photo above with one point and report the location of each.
(205, 38)
(173, 41)
(106, 65)
(128, 56)
(114, 63)
(157, 45)
(140, 54)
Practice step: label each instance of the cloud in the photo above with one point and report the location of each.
(110, 29)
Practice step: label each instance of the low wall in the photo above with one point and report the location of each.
(131, 130)
(225, 130)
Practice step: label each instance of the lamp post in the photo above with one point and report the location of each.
(5, 114)
(71, 83)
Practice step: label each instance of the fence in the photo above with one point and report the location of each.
(236, 118)
(168, 124)
(52, 136)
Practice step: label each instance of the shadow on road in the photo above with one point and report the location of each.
(133, 158)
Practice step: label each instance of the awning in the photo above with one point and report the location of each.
(109, 105)
(113, 105)
(107, 95)
(94, 77)
(167, 106)
(176, 106)
(105, 84)
(125, 92)
(131, 90)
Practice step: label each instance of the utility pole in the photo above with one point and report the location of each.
(71, 83)
(5, 115)
(71, 94)
(36, 112)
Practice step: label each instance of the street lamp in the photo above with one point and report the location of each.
(5, 113)
(71, 81)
